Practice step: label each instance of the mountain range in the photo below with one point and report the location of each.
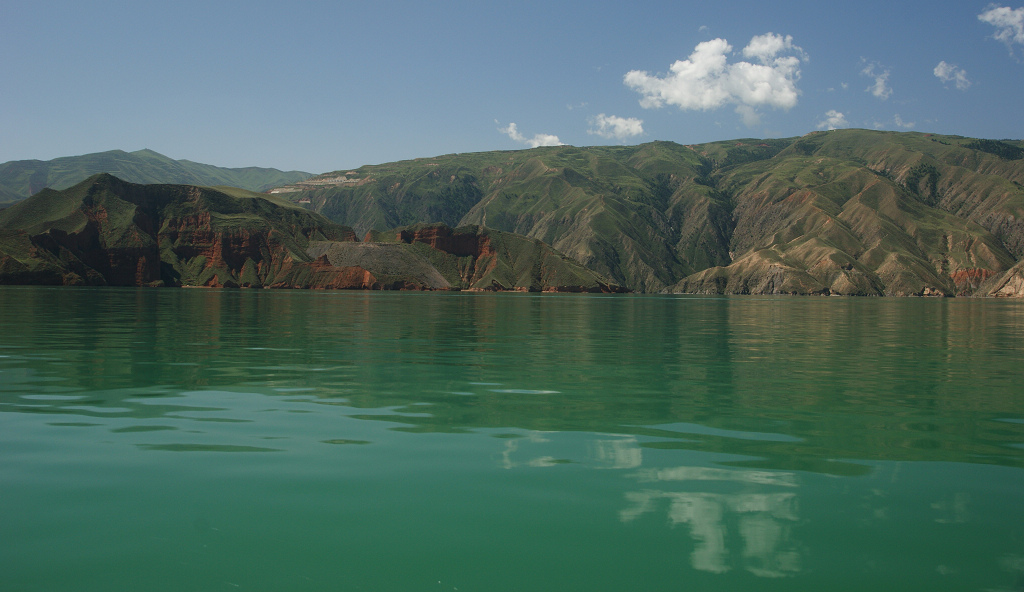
(845, 212)
(852, 212)
(106, 231)
(22, 178)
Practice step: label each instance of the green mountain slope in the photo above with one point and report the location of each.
(857, 212)
(613, 209)
(843, 212)
(22, 178)
(478, 258)
(105, 231)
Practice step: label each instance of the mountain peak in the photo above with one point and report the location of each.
(148, 152)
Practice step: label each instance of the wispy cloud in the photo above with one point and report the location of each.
(951, 73)
(512, 131)
(901, 123)
(880, 89)
(614, 127)
(833, 120)
(706, 80)
(1009, 24)
(896, 121)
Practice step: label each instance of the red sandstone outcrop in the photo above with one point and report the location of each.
(443, 238)
(967, 281)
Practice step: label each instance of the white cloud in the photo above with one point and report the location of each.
(544, 140)
(880, 88)
(765, 47)
(1009, 24)
(904, 124)
(749, 115)
(833, 120)
(951, 73)
(619, 128)
(706, 80)
(537, 140)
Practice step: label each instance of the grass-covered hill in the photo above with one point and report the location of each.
(22, 178)
(105, 231)
(840, 212)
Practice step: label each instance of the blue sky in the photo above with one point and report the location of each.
(320, 86)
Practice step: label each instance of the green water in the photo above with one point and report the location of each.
(276, 440)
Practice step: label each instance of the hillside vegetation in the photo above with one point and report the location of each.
(841, 212)
(22, 178)
(105, 231)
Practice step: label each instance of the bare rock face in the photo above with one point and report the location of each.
(767, 272)
(969, 281)
(443, 238)
(1011, 284)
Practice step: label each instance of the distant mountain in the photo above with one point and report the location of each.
(842, 212)
(22, 178)
(105, 231)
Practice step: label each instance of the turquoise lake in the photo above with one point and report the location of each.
(186, 440)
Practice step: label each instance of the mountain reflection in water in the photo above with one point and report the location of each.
(389, 441)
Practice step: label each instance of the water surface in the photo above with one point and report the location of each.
(295, 440)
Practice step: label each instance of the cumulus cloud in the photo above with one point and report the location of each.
(951, 73)
(706, 80)
(880, 88)
(614, 127)
(1009, 24)
(765, 47)
(512, 131)
(833, 120)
